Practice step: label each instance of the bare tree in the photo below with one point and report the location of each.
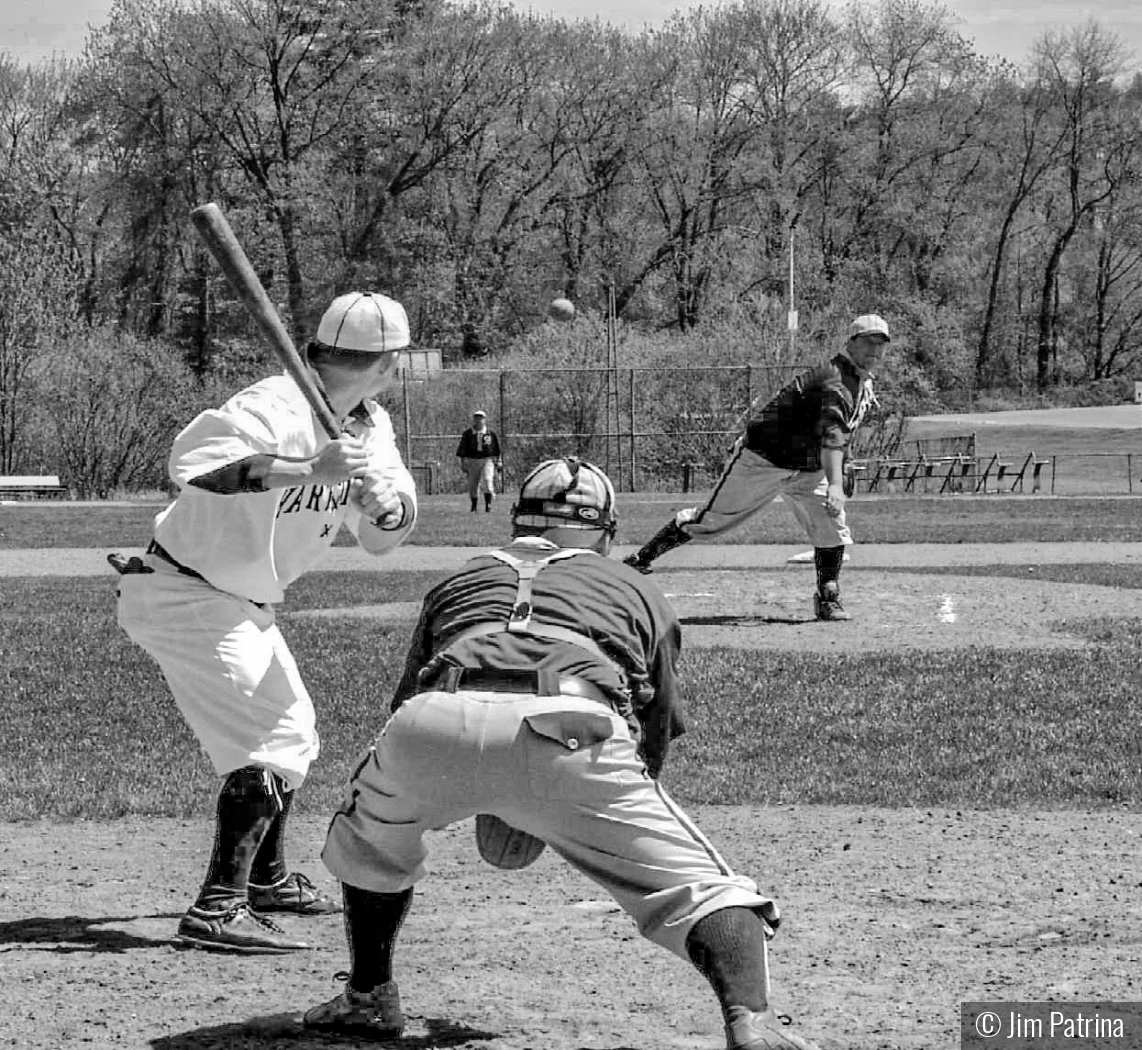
(274, 81)
(1098, 149)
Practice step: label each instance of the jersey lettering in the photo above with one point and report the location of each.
(322, 499)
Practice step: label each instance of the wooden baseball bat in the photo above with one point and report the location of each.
(219, 237)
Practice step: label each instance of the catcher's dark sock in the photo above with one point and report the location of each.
(474, 502)
(372, 922)
(666, 539)
(487, 502)
(269, 867)
(247, 805)
(828, 561)
(728, 947)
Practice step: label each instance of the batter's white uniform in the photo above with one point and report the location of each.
(215, 637)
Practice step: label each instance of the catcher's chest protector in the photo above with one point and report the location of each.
(520, 620)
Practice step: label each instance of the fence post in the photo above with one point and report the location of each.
(1053, 458)
(1130, 473)
(407, 424)
(633, 482)
(503, 407)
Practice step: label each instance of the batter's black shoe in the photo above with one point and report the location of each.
(827, 603)
(371, 1015)
(750, 1030)
(296, 894)
(235, 929)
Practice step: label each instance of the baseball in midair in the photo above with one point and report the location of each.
(561, 310)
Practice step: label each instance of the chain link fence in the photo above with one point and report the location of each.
(648, 428)
(669, 429)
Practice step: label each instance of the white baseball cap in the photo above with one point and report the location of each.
(479, 412)
(566, 493)
(869, 324)
(367, 322)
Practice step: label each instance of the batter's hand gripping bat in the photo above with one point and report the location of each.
(219, 237)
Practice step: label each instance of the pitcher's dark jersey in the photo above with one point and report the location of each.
(820, 408)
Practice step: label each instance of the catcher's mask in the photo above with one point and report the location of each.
(566, 493)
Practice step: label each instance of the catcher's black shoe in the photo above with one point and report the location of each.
(827, 603)
(295, 893)
(234, 929)
(750, 1030)
(372, 1015)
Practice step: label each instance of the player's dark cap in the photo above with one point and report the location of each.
(566, 493)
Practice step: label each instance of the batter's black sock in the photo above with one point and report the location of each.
(728, 947)
(247, 806)
(666, 539)
(475, 501)
(487, 501)
(269, 866)
(372, 922)
(828, 561)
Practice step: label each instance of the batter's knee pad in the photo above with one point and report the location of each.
(254, 789)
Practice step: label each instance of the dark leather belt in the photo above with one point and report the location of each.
(159, 551)
(535, 683)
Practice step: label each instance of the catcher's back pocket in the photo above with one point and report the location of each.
(572, 729)
(563, 747)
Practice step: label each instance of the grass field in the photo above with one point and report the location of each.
(445, 521)
(90, 730)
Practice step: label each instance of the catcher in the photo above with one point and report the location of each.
(540, 689)
(804, 429)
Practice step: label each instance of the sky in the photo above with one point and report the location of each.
(35, 29)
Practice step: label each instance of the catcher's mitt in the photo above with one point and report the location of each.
(503, 846)
(128, 566)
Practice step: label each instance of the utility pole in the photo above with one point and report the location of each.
(792, 317)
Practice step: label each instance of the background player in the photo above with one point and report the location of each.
(479, 452)
(540, 687)
(803, 430)
(263, 492)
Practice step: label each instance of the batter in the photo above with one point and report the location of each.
(262, 494)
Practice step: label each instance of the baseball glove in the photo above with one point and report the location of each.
(127, 566)
(503, 846)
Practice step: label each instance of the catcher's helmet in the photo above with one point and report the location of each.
(366, 322)
(566, 493)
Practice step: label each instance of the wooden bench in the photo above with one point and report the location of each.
(960, 468)
(18, 485)
(890, 473)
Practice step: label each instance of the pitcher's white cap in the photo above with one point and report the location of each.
(367, 322)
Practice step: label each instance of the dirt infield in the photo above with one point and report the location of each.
(772, 609)
(891, 919)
